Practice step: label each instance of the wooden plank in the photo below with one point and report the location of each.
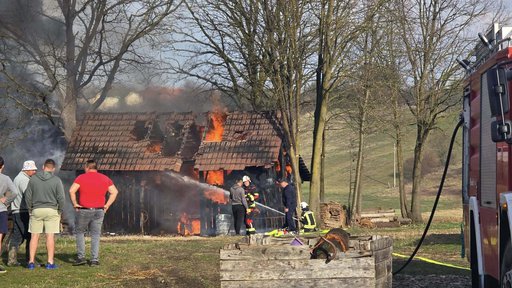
(382, 219)
(266, 253)
(383, 254)
(378, 214)
(386, 282)
(387, 224)
(381, 243)
(295, 283)
(383, 269)
(360, 245)
(380, 211)
(297, 269)
(354, 254)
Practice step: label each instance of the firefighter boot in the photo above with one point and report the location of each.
(13, 257)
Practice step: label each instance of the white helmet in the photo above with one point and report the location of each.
(246, 178)
(303, 205)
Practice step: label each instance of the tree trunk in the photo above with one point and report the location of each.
(400, 169)
(314, 191)
(68, 116)
(322, 170)
(69, 103)
(416, 175)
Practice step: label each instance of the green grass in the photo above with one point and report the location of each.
(129, 261)
(137, 261)
(377, 180)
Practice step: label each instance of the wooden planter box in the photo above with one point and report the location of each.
(273, 262)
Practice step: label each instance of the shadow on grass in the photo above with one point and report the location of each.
(418, 267)
(440, 239)
(66, 257)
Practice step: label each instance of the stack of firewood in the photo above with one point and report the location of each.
(332, 215)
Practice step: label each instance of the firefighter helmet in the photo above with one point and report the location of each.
(303, 205)
(246, 178)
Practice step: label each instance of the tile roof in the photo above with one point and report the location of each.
(133, 141)
(249, 139)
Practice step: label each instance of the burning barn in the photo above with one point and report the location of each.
(238, 144)
(156, 158)
(140, 151)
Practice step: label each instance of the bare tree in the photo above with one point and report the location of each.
(392, 60)
(254, 51)
(219, 42)
(433, 35)
(68, 45)
(340, 24)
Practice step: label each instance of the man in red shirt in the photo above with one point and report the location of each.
(90, 206)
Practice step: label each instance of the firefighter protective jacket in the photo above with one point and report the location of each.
(308, 220)
(251, 195)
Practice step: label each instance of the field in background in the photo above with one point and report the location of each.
(377, 186)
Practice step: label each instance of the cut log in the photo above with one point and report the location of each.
(378, 215)
(382, 219)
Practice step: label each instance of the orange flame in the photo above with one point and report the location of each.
(289, 169)
(216, 127)
(186, 227)
(154, 148)
(216, 196)
(215, 177)
(196, 227)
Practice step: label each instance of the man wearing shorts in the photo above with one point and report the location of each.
(92, 188)
(45, 201)
(8, 193)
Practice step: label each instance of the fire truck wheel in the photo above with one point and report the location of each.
(506, 267)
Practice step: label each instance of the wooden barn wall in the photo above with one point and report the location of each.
(152, 202)
(149, 203)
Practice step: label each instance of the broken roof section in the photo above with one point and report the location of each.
(249, 139)
(133, 141)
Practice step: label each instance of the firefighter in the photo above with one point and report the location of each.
(307, 218)
(251, 196)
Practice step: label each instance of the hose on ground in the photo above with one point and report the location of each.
(441, 184)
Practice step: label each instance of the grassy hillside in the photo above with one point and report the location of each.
(377, 186)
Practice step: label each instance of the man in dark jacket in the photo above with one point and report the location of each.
(45, 201)
(290, 204)
(239, 204)
(8, 193)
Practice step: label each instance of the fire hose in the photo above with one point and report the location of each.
(441, 184)
(272, 209)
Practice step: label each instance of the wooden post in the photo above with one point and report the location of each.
(202, 207)
(141, 203)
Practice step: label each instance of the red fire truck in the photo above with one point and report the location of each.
(487, 161)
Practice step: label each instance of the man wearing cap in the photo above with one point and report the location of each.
(290, 204)
(20, 214)
(251, 196)
(92, 188)
(8, 193)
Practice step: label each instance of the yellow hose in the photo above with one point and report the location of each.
(433, 261)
